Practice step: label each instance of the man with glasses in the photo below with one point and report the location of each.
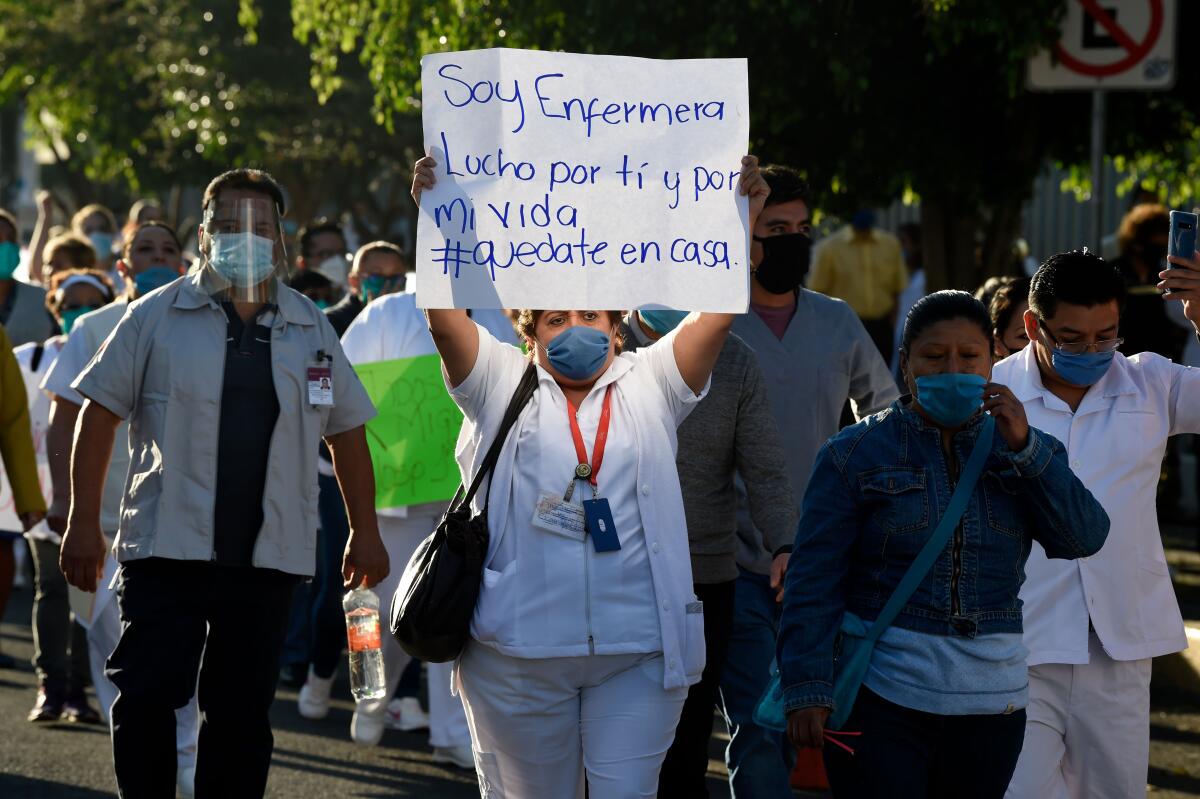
(1093, 625)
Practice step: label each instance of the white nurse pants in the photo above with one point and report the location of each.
(447, 720)
(1087, 730)
(537, 725)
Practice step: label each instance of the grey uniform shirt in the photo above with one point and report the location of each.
(162, 369)
(732, 429)
(824, 358)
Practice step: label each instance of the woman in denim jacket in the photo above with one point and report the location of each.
(941, 710)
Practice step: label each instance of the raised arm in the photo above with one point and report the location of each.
(700, 337)
(454, 334)
(41, 234)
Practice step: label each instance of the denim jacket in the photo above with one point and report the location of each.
(877, 492)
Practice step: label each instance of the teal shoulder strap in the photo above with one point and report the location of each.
(937, 542)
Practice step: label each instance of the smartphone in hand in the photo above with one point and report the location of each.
(1182, 243)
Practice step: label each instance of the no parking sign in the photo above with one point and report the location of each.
(1110, 44)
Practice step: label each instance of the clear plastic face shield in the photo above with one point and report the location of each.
(242, 247)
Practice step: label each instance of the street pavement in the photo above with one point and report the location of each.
(312, 759)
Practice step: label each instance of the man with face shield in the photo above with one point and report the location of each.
(1093, 625)
(587, 632)
(814, 355)
(220, 376)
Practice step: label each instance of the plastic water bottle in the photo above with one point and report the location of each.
(366, 654)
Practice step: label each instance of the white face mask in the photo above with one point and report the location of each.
(244, 259)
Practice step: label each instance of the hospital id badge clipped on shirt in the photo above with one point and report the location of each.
(554, 515)
(600, 525)
(320, 385)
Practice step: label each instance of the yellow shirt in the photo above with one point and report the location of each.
(864, 269)
(16, 437)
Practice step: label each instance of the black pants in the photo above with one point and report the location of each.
(172, 613)
(686, 766)
(907, 754)
(882, 333)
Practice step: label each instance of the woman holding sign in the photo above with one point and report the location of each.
(913, 535)
(587, 633)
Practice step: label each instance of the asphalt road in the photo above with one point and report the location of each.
(312, 760)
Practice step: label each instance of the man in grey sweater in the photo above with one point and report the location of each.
(815, 355)
(732, 430)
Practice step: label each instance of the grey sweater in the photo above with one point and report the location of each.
(731, 431)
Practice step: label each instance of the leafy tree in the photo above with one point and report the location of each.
(872, 100)
(156, 95)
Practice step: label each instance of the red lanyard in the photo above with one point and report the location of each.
(584, 470)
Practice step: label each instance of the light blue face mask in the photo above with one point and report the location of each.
(950, 398)
(153, 278)
(244, 259)
(577, 353)
(1083, 369)
(10, 258)
(102, 243)
(662, 322)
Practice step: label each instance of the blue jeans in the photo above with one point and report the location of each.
(316, 626)
(759, 760)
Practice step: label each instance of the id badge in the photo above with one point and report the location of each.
(320, 385)
(560, 518)
(600, 525)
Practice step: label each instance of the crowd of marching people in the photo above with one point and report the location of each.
(917, 531)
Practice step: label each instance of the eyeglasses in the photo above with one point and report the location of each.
(1080, 347)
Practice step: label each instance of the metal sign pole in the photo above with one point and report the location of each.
(1098, 115)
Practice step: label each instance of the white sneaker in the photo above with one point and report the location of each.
(406, 715)
(365, 729)
(313, 701)
(460, 756)
(185, 782)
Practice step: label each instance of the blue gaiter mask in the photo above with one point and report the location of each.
(243, 259)
(153, 278)
(950, 398)
(1084, 369)
(578, 352)
(662, 322)
(10, 258)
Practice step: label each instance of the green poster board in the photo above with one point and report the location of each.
(412, 439)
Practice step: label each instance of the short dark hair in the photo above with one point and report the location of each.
(379, 246)
(316, 228)
(1006, 300)
(255, 180)
(1077, 277)
(941, 306)
(989, 288)
(308, 279)
(786, 185)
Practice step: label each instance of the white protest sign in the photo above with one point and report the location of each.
(583, 182)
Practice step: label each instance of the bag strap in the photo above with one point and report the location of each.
(38, 352)
(520, 399)
(937, 542)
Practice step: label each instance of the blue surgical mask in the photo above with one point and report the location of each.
(153, 278)
(1084, 369)
(244, 259)
(69, 316)
(578, 352)
(374, 286)
(950, 398)
(10, 258)
(662, 322)
(102, 243)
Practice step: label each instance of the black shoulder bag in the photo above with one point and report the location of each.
(435, 600)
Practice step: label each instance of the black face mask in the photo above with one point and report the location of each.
(784, 262)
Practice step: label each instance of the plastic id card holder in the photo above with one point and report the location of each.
(320, 385)
(560, 518)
